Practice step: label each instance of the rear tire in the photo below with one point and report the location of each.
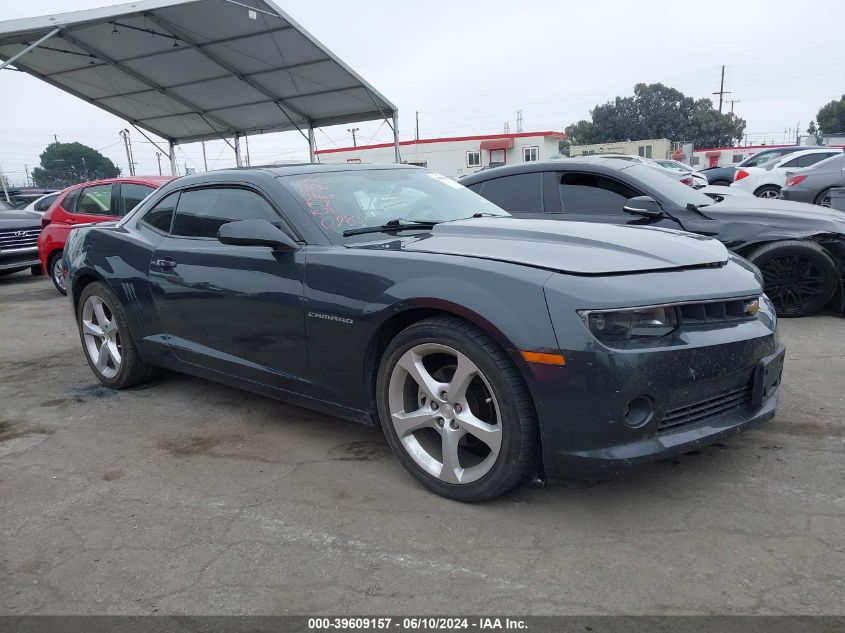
(468, 438)
(56, 268)
(800, 277)
(106, 340)
(824, 199)
(768, 191)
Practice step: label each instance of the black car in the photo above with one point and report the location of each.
(725, 175)
(799, 248)
(19, 232)
(487, 347)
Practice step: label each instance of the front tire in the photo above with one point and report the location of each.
(56, 268)
(768, 191)
(799, 277)
(455, 410)
(104, 332)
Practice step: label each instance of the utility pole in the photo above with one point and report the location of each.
(85, 168)
(204, 160)
(246, 140)
(733, 101)
(418, 125)
(354, 138)
(519, 121)
(798, 133)
(26, 173)
(124, 134)
(722, 92)
(5, 190)
(55, 138)
(158, 159)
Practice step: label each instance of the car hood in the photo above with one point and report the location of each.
(571, 247)
(768, 214)
(19, 219)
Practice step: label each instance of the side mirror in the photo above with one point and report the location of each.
(256, 233)
(643, 205)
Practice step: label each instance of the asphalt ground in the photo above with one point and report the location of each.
(188, 497)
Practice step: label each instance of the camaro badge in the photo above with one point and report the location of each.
(330, 317)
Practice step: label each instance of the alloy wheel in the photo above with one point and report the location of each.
(792, 281)
(826, 201)
(445, 413)
(102, 337)
(769, 193)
(59, 273)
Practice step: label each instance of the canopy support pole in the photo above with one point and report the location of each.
(237, 146)
(141, 132)
(396, 137)
(20, 54)
(173, 171)
(312, 144)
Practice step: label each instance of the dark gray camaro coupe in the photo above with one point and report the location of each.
(489, 348)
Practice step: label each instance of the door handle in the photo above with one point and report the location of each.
(165, 264)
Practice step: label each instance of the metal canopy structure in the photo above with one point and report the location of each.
(195, 70)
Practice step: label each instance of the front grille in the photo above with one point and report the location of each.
(11, 239)
(714, 312)
(11, 260)
(703, 410)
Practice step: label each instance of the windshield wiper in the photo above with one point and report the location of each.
(394, 225)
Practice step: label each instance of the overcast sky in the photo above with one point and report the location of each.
(467, 67)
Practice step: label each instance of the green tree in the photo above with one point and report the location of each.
(831, 117)
(65, 164)
(658, 111)
(812, 129)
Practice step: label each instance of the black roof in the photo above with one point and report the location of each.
(586, 163)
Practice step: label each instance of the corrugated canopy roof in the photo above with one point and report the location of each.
(190, 70)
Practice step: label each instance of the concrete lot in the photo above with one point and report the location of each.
(188, 497)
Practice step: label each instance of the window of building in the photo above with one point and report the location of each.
(520, 193)
(530, 154)
(645, 151)
(474, 159)
(736, 158)
(201, 212)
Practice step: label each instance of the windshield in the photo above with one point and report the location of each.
(343, 200)
(667, 186)
(6, 206)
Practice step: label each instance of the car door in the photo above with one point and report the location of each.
(592, 197)
(518, 194)
(234, 309)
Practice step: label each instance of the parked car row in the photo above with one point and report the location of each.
(767, 180)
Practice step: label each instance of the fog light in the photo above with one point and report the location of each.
(639, 412)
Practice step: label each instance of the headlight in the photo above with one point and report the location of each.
(620, 325)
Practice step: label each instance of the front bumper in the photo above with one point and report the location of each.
(15, 259)
(607, 462)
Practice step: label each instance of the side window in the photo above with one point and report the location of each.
(161, 216)
(791, 163)
(201, 212)
(131, 194)
(95, 200)
(593, 194)
(69, 201)
(46, 202)
(812, 159)
(521, 193)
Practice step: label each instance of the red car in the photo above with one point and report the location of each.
(97, 201)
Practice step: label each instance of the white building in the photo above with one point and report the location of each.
(457, 156)
(648, 148)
